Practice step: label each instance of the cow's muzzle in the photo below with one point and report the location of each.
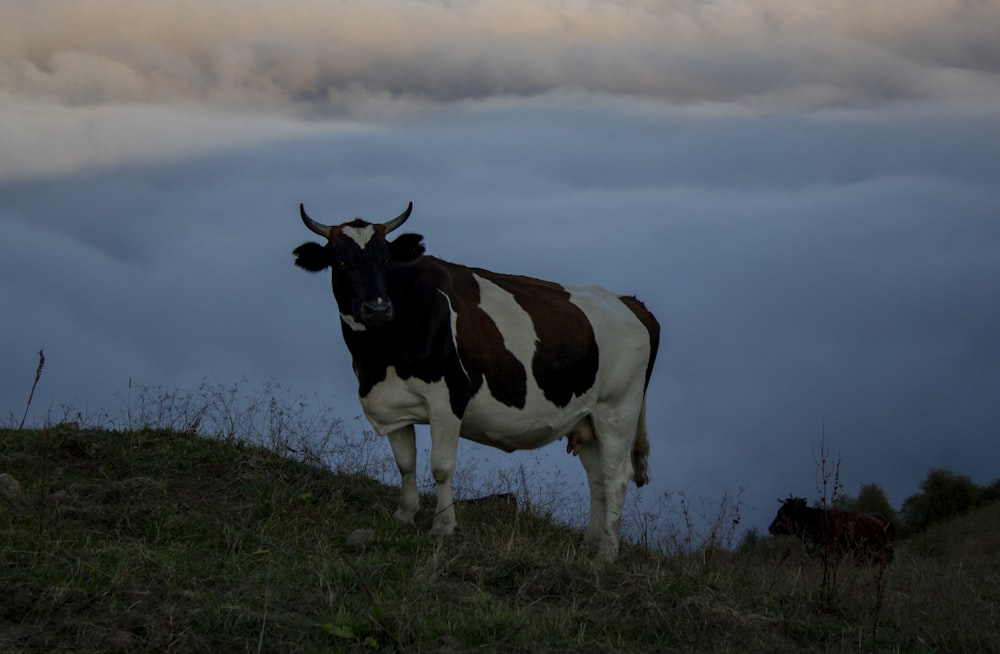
(376, 312)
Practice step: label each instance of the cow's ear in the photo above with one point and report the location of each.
(406, 247)
(311, 256)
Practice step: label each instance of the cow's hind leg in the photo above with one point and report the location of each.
(404, 449)
(614, 429)
(591, 459)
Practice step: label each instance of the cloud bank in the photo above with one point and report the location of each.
(806, 194)
(827, 269)
(348, 56)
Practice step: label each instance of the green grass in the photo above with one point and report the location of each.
(159, 541)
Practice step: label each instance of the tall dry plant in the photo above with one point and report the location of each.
(831, 491)
(38, 375)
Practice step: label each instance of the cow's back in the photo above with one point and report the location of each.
(567, 348)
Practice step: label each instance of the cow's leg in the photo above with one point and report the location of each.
(590, 458)
(444, 444)
(404, 448)
(614, 429)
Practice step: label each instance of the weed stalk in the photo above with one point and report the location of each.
(38, 375)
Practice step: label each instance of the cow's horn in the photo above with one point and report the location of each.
(398, 220)
(314, 226)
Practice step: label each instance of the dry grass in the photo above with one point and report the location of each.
(163, 541)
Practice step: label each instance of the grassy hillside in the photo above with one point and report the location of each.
(156, 541)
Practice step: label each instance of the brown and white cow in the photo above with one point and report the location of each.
(503, 360)
(867, 536)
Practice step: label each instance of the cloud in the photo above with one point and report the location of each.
(41, 138)
(804, 194)
(330, 57)
(832, 270)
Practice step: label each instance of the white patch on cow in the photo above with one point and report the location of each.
(352, 323)
(622, 339)
(454, 329)
(514, 323)
(395, 402)
(360, 235)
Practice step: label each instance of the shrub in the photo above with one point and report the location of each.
(943, 494)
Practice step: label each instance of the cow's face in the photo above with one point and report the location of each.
(786, 522)
(360, 259)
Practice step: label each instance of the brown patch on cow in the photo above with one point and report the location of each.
(480, 344)
(651, 324)
(566, 355)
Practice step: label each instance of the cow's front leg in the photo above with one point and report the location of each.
(444, 444)
(404, 448)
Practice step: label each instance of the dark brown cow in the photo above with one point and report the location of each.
(503, 360)
(868, 536)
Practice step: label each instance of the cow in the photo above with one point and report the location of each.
(503, 360)
(867, 536)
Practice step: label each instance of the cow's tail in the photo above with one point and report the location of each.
(640, 449)
(640, 446)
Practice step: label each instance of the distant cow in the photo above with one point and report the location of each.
(507, 361)
(868, 536)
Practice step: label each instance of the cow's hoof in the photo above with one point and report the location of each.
(592, 541)
(402, 518)
(607, 551)
(442, 530)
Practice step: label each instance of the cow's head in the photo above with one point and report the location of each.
(360, 258)
(789, 516)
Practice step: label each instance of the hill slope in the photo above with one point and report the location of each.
(156, 541)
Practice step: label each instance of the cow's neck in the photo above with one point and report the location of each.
(371, 353)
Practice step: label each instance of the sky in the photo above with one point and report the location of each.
(807, 195)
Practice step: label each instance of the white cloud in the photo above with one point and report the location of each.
(85, 83)
(306, 55)
(805, 193)
(39, 138)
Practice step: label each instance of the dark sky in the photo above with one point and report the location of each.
(808, 199)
